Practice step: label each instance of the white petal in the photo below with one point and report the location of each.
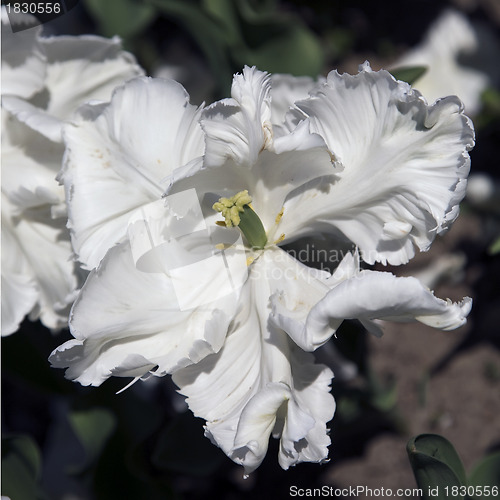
(37, 250)
(257, 421)
(79, 69)
(276, 176)
(30, 163)
(19, 288)
(83, 68)
(34, 117)
(405, 164)
(291, 305)
(261, 383)
(372, 295)
(23, 59)
(239, 128)
(286, 90)
(311, 394)
(117, 156)
(127, 322)
(448, 38)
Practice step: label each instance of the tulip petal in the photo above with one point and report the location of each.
(123, 329)
(78, 69)
(260, 383)
(24, 63)
(117, 156)
(405, 165)
(37, 261)
(370, 296)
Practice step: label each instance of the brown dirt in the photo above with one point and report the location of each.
(460, 402)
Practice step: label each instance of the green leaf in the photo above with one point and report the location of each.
(409, 74)
(494, 248)
(435, 464)
(296, 50)
(21, 462)
(125, 18)
(223, 12)
(92, 428)
(486, 472)
(207, 31)
(491, 99)
(276, 41)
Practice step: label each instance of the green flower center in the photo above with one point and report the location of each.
(238, 212)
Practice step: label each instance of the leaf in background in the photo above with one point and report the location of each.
(208, 33)
(277, 42)
(435, 463)
(486, 472)
(92, 428)
(294, 51)
(224, 13)
(125, 18)
(494, 248)
(236, 33)
(21, 463)
(491, 100)
(410, 74)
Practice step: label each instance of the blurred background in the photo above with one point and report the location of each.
(62, 441)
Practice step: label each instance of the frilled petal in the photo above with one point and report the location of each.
(259, 418)
(240, 142)
(238, 128)
(292, 304)
(369, 296)
(405, 165)
(30, 163)
(154, 301)
(119, 153)
(286, 89)
(37, 255)
(19, 288)
(79, 69)
(448, 38)
(311, 398)
(260, 382)
(123, 329)
(24, 62)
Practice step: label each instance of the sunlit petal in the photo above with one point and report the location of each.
(117, 156)
(405, 165)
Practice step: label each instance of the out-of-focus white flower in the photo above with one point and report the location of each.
(480, 188)
(218, 303)
(449, 37)
(44, 80)
(447, 267)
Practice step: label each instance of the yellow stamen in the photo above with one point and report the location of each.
(279, 216)
(232, 207)
(280, 239)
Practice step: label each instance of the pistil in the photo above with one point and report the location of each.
(238, 212)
